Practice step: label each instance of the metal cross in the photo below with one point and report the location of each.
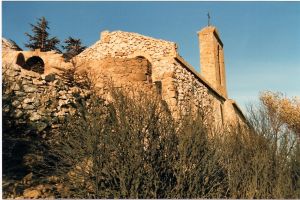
(208, 20)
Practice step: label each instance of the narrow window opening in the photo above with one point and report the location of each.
(149, 73)
(158, 87)
(221, 114)
(219, 65)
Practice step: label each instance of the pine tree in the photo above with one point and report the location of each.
(72, 48)
(40, 38)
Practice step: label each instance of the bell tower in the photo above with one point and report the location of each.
(212, 58)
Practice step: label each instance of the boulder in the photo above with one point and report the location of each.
(31, 193)
(50, 77)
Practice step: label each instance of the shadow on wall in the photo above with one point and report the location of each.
(148, 71)
(34, 63)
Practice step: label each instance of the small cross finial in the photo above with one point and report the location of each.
(208, 19)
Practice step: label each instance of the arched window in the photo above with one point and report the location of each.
(20, 60)
(35, 64)
(148, 70)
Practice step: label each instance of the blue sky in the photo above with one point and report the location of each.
(261, 39)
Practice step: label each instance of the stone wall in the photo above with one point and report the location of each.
(40, 101)
(122, 71)
(130, 59)
(53, 62)
(189, 89)
(180, 86)
(120, 44)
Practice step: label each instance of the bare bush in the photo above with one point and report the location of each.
(133, 148)
(129, 145)
(74, 77)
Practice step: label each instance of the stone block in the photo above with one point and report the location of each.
(31, 194)
(29, 88)
(137, 77)
(29, 74)
(15, 103)
(11, 73)
(16, 67)
(18, 113)
(50, 77)
(27, 107)
(20, 93)
(38, 82)
(35, 117)
(64, 97)
(28, 100)
(40, 126)
(16, 87)
(168, 74)
(171, 94)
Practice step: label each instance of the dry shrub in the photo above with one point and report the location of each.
(262, 160)
(286, 110)
(199, 173)
(133, 148)
(130, 144)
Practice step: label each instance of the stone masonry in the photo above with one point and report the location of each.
(39, 101)
(212, 58)
(180, 85)
(130, 59)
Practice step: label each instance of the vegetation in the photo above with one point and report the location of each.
(131, 147)
(40, 38)
(72, 48)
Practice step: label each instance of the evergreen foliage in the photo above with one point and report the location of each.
(72, 48)
(40, 38)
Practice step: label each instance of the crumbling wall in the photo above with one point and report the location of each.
(120, 44)
(40, 101)
(174, 82)
(52, 61)
(137, 61)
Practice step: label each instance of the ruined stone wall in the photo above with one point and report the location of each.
(53, 62)
(121, 71)
(179, 86)
(137, 61)
(40, 101)
(120, 44)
